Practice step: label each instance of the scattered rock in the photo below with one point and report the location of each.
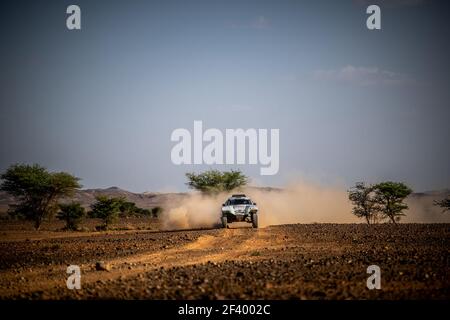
(102, 266)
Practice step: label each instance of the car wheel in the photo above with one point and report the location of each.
(255, 221)
(224, 222)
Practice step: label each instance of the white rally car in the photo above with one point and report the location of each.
(239, 208)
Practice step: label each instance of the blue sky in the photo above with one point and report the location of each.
(351, 104)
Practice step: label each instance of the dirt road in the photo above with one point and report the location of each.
(318, 261)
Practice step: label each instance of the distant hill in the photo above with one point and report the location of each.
(144, 200)
(87, 196)
(153, 199)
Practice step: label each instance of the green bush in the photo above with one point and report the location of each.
(107, 209)
(144, 212)
(156, 212)
(128, 208)
(73, 214)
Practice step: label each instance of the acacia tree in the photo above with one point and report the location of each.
(390, 195)
(444, 204)
(36, 190)
(214, 181)
(365, 204)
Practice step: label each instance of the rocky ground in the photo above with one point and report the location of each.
(316, 261)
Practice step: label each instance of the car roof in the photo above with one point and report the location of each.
(234, 198)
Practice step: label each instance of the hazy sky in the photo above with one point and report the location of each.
(351, 104)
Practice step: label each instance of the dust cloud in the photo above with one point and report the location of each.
(300, 202)
(303, 202)
(194, 211)
(296, 203)
(422, 210)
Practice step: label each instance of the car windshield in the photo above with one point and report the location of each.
(235, 202)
